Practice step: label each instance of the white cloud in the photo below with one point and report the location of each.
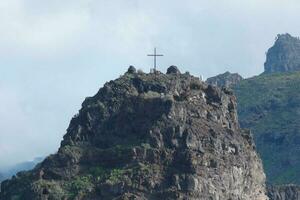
(42, 32)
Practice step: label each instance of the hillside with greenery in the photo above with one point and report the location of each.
(269, 105)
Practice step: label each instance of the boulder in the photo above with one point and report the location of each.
(173, 70)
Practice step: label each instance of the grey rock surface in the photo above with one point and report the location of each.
(284, 56)
(284, 192)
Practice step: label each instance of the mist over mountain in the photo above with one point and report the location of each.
(13, 170)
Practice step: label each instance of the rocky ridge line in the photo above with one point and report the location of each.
(226, 79)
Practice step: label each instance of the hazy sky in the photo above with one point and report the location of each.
(55, 53)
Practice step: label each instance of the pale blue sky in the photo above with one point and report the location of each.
(55, 53)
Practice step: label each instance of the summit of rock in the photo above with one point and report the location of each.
(131, 69)
(226, 79)
(173, 70)
(149, 136)
(284, 55)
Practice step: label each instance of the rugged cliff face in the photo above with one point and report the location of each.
(286, 192)
(225, 80)
(150, 136)
(284, 56)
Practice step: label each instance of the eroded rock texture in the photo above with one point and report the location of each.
(284, 56)
(150, 136)
(284, 192)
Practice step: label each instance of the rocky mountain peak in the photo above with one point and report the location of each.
(131, 69)
(225, 80)
(150, 136)
(284, 55)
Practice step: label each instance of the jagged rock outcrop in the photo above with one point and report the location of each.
(225, 80)
(284, 56)
(131, 69)
(173, 70)
(150, 136)
(284, 192)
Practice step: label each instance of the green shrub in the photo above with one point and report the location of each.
(116, 175)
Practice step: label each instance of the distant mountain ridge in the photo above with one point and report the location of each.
(23, 166)
(225, 80)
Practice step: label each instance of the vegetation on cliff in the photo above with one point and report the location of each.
(269, 105)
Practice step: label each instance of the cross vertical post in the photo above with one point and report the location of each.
(154, 59)
(155, 55)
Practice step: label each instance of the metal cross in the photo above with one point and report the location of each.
(155, 55)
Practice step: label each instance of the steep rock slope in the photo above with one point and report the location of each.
(150, 136)
(269, 113)
(284, 56)
(269, 105)
(225, 80)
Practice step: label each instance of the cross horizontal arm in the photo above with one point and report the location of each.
(155, 55)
